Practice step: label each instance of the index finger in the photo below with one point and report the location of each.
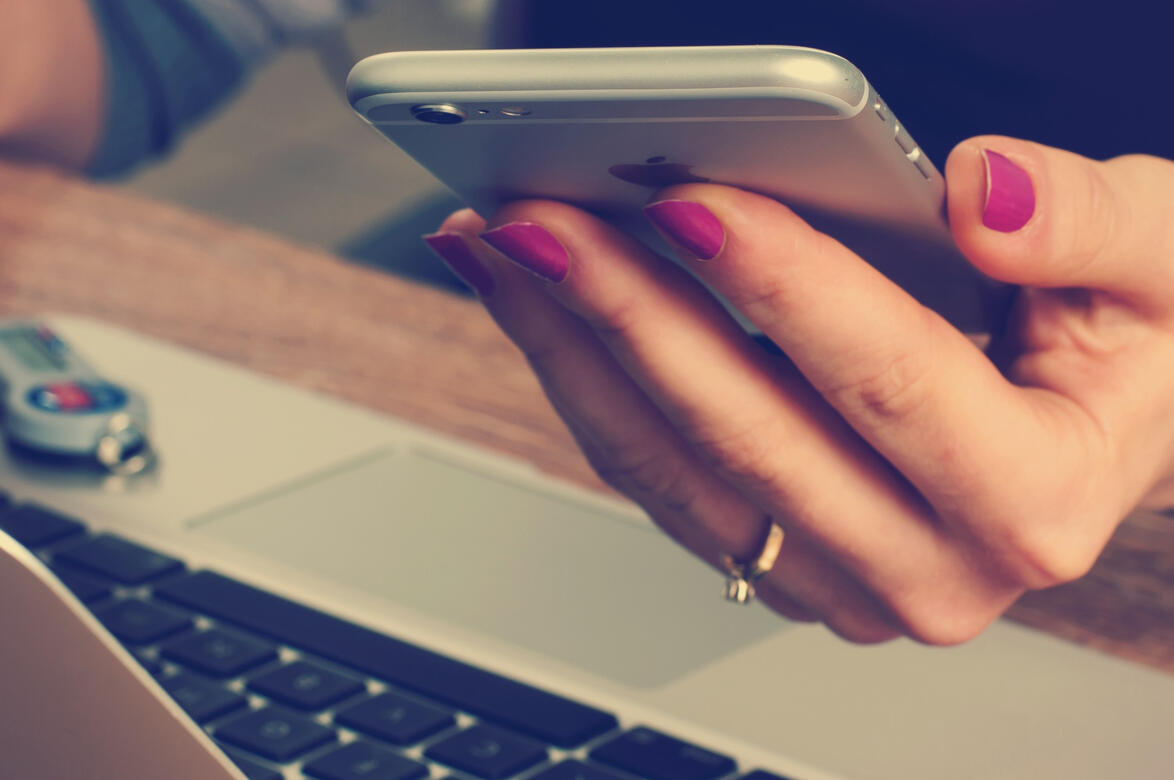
(914, 387)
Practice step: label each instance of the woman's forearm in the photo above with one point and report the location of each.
(51, 81)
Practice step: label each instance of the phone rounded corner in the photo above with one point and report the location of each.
(370, 77)
(822, 72)
(359, 83)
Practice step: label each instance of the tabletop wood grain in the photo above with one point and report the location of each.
(311, 319)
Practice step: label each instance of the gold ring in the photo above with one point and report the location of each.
(741, 576)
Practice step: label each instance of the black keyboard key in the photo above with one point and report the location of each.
(396, 719)
(529, 710)
(275, 734)
(253, 770)
(116, 558)
(364, 761)
(202, 700)
(36, 526)
(86, 587)
(762, 774)
(306, 686)
(141, 622)
(657, 756)
(218, 652)
(576, 770)
(488, 752)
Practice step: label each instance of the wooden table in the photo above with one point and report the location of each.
(314, 321)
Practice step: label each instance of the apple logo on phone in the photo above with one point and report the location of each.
(655, 172)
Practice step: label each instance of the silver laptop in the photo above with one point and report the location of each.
(303, 588)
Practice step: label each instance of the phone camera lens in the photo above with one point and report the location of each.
(439, 114)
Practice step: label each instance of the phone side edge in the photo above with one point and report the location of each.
(640, 68)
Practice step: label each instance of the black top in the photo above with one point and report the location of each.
(1093, 79)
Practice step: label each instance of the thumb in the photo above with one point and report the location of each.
(1034, 215)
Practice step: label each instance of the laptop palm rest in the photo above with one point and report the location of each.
(543, 571)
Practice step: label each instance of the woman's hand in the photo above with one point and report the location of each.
(52, 74)
(923, 485)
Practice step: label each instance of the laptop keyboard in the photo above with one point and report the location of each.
(292, 692)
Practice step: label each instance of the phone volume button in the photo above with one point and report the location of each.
(923, 165)
(920, 162)
(904, 140)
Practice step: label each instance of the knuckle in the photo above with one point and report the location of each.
(942, 624)
(768, 302)
(615, 319)
(745, 456)
(1101, 215)
(950, 606)
(770, 294)
(1141, 173)
(892, 393)
(861, 629)
(610, 477)
(1035, 547)
(644, 475)
(1037, 557)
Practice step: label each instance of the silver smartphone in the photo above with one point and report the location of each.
(605, 128)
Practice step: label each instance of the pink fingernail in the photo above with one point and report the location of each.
(1010, 197)
(532, 247)
(689, 224)
(453, 250)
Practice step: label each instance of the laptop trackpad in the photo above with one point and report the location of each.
(504, 557)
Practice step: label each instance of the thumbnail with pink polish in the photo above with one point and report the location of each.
(1010, 196)
(532, 247)
(689, 224)
(453, 250)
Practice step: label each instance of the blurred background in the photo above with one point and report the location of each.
(288, 155)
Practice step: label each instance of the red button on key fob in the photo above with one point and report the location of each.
(71, 397)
